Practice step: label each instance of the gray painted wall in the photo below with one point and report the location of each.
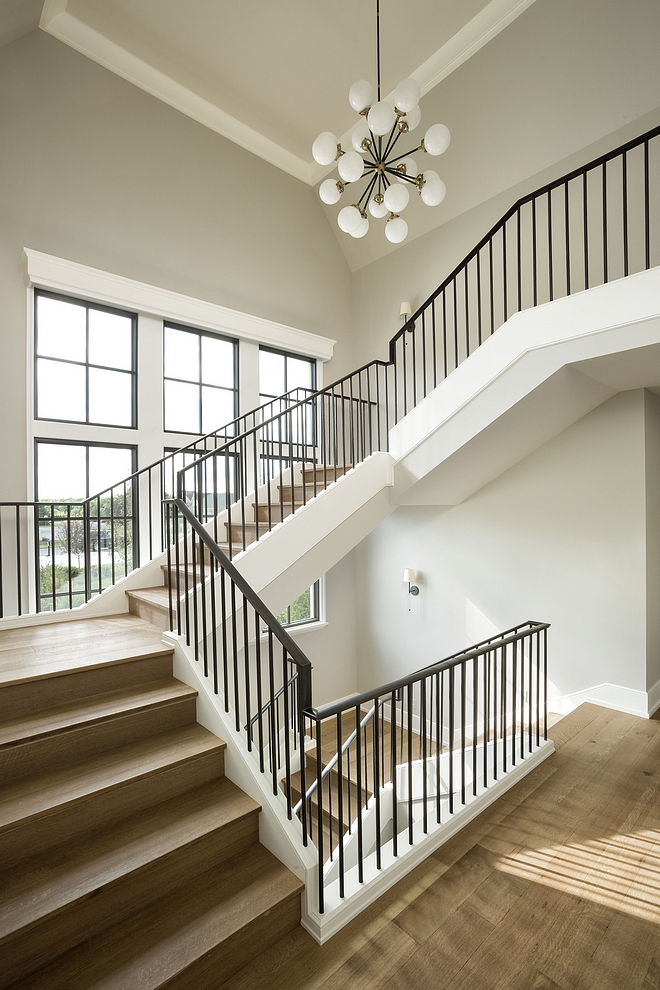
(560, 537)
(94, 170)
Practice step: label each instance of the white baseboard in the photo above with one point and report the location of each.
(615, 696)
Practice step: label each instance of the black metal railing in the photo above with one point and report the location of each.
(275, 468)
(388, 765)
(373, 773)
(59, 555)
(595, 224)
(537, 252)
(262, 677)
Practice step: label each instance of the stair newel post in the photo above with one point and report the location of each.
(376, 773)
(230, 497)
(246, 669)
(257, 674)
(545, 683)
(422, 743)
(409, 727)
(395, 802)
(319, 808)
(234, 643)
(340, 803)
(358, 773)
(438, 741)
(195, 631)
(213, 565)
(287, 722)
(245, 486)
(167, 510)
(271, 711)
(451, 701)
(186, 579)
(177, 563)
(255, 478)
(223, 620)
(202, 598)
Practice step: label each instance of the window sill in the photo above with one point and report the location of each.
(304, 627)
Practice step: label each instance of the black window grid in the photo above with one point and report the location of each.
(86, 364)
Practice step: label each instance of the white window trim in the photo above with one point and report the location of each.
(153, 306)
(48, 272)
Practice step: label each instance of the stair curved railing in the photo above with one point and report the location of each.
(597, 223)
(109, 534)
(362, 786)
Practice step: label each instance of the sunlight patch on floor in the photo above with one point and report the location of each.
(620, 872)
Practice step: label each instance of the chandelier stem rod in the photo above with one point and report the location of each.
(401, 177)
(365, 195)
(390, 143)
(404, 155)
(378, 44)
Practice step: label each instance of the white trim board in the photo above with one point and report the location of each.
(615, 696)
(61, 275)
(57, 21)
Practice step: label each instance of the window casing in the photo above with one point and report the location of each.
(304, 610)
(85, 367)
(200, 381)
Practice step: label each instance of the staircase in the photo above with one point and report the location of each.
(128, 859)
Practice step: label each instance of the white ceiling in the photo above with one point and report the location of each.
(270, 76)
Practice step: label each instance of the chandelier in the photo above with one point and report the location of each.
(375, 154)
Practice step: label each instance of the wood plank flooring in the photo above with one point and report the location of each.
(554, 887)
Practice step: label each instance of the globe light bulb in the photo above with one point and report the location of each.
(433, 192)
(381, 118)
(412, 118)
(406, 95)
(396, 198)
(350, 166)
(429, 174)
(378, 210)
(361, 228)
(348, 219)
(324, 149)
(361, 95)
(360, 133)
(411, 169)
(330, 191)
(436, 139)
(396, 230)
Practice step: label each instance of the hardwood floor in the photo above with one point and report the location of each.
(555, 887)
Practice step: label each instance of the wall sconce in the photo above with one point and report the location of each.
(409, 577)
(405, 313)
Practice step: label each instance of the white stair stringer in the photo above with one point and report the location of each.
(540, 372)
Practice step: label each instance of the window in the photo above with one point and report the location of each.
(72, 471)
(280, 372)
(85, 362)
(304, 609)
(82, 546)
(201, 392)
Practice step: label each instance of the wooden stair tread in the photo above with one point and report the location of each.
(155, 596)
(88, 711)
(41, 795)
(192, 935)
(23, 675)
(66, 875)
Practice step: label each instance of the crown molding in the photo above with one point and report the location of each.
(61, 25)
(485, 26)
(55, 20)
(61, 275)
